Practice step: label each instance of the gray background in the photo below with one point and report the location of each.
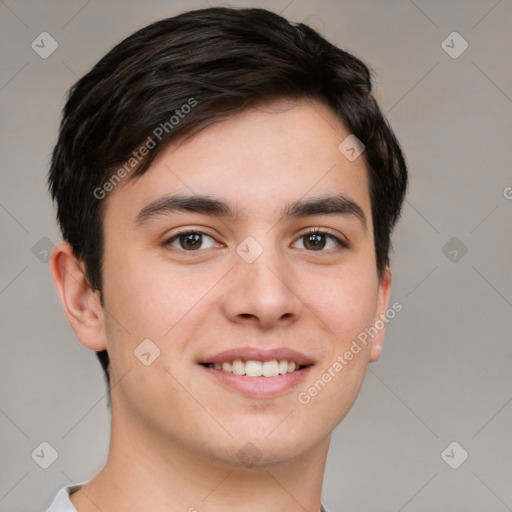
(445, 372)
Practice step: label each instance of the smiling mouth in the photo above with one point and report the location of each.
(253, 368)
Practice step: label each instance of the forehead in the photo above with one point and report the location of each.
(265, 156)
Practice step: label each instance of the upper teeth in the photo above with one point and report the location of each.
(252, 368)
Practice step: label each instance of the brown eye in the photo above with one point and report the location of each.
(314, 241)
(191, 241)
(320, 241)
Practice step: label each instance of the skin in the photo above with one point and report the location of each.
(176, 432)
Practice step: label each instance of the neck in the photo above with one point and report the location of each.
(147, 472)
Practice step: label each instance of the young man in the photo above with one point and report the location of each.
(226, 187)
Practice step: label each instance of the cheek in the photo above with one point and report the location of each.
(146, 302)
(346, 304)
(346, 307)
(146, 297)
(150, 300)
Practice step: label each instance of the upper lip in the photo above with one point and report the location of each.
(258, 354)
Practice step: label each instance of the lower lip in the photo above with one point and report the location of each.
(259, 387)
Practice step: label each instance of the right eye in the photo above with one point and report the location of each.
(191, 241)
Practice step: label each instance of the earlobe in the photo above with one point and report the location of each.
(380, 315)
(81, 304)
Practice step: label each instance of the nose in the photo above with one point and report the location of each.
(262, 293)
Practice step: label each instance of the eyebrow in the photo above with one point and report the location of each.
(321, 205)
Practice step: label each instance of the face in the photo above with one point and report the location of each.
(251, 241)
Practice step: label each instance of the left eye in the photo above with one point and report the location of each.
(318, 241)
(191, 241)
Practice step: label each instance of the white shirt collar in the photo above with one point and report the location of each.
(61, 502)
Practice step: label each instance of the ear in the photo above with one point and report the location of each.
(80, 303)
(380, 314)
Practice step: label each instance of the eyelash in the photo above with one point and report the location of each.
(308, 232)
